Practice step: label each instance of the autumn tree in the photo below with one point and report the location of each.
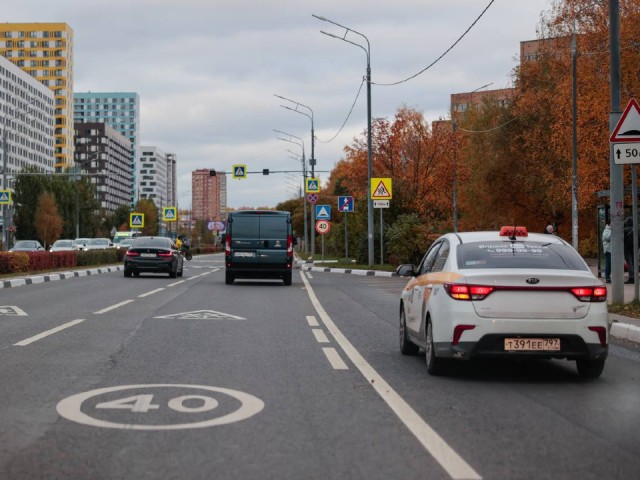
(148, 207)
(48, 221)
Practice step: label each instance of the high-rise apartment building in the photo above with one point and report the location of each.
(208, 195)
(27, 122)
(119, 110)
(106, 155)
(152, 183)
(45, 51)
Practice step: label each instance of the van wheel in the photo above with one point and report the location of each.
(287, 278)
(127, 273)
(228, 278)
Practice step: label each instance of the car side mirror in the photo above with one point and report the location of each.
(405, 270)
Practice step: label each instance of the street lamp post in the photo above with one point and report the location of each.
(304, 200)
(77, 177)
(367, 51)
(312, 162)
(304, 172)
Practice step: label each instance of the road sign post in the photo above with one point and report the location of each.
(345, 205)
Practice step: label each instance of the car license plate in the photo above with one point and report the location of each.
(245, 254)
(147, 254)
(531, 344)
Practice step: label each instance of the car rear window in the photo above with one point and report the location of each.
(507, 254)
(273, 227)
(152, 243)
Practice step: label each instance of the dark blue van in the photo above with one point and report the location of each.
(259, 244)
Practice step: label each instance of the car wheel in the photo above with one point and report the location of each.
(228, 278)
(127, 273)
(434, 364)
(406, 347)
(590, 368)
(173, 273)
(287, 278)
(180, 272)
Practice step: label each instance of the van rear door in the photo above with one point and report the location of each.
(274, 230)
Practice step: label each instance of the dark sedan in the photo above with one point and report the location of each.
(153, 255)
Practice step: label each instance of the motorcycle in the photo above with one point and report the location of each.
(186, 253)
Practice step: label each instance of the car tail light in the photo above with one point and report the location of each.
(460, 291)
(590, 294)
(458, 330)
(227, 245)
(165, 254)
(289, 245)
(131, 253)
(602, 334)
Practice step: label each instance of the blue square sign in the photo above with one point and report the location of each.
(323, 212)
(345, 204)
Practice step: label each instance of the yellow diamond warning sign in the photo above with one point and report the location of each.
(381, 189)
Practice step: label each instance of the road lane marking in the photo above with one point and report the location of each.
(175, 283)
(439, 449)
(12, 310)
(307, 274)
(42, 335)
(311, 320)
(321, 337)
(150, 293)
(112, 307)
(334, 358)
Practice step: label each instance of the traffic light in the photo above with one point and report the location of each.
(265, 171)
(212, 173)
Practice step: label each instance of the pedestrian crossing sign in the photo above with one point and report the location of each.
(5, 197)
(239, 171)
(381, 189)
(136, 220)
(312, 185)
(323, 212)
(169, 214)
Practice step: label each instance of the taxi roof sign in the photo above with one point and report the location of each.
(381, 189)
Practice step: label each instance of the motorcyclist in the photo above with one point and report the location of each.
(179, 242)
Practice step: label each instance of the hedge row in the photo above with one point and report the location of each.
(22, 262)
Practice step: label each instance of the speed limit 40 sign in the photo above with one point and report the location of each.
(323, 226)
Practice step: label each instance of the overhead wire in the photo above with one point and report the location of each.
(441, 56)
(348, 115)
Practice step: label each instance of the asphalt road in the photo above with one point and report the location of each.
(106, 377)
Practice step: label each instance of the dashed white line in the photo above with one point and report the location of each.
(321, 337)
(150, 293)
(112, 307)
(175, 283)
(42, 335)
(334, 358)
(311, 320)
(433, 443)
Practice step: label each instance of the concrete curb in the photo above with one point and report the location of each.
(366, 273)
(52, 277)
(625, 331)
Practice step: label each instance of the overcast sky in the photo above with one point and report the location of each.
(207, 71)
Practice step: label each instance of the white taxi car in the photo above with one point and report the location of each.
(504, 294)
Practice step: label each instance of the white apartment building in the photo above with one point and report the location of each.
(26, 122)
(152, 176)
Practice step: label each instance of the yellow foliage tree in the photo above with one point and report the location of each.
(48, 220)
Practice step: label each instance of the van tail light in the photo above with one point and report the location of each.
(602, 335)
(131, 253)
(289, 245)
(590, 294)
(227, 245)
(461, 291)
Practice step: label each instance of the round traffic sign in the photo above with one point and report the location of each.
(312, 198)
(323, 226)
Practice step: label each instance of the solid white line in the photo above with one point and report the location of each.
(334, 358)
(42, 335)
(321, 337)
(439, 449)
(311, 320)
(112, 307)
(150, 293)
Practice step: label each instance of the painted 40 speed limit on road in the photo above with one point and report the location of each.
(625, 153)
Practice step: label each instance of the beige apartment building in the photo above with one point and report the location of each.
(208, 195)
(45, 51)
